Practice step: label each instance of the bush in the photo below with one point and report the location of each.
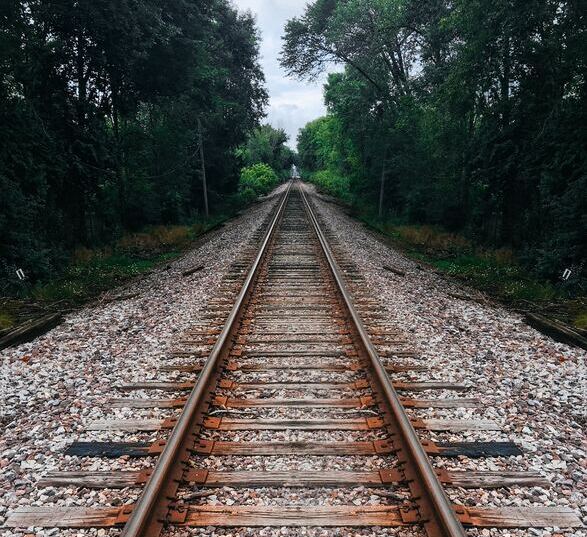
(257, 180)
(332, 183)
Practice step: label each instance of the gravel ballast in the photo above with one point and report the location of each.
(534, 387)
(54, 386)
(531, 386)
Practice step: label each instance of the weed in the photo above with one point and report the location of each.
(93, 271)
(494, 271)
(580, 321)
(6, 320)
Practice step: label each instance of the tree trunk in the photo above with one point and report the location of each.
(82, 87)
(505, 82)
(203, 164)
(382, 188)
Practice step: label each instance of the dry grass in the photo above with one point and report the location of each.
(160, 238)
(84, 256)
(580, 321)
(6, 321)
(151, 242)
(435, 239)
(93, 270)
(502, 256)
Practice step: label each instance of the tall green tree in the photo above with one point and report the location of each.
(100, 102)
(464, 114)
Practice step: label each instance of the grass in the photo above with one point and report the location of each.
(580, 321)
(496, 272)
(6, 320)
(86, 279)
(93, 271)
(505, 279)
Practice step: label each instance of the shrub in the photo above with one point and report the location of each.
(332, 183)
(257, 180)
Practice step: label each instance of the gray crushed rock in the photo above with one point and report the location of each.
(54, 386)
(533, 387)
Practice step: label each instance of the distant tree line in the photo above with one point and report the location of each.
(267, 159)
(102, 103)
(268, 145)
(469, 114)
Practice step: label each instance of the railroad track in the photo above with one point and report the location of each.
(291, 385)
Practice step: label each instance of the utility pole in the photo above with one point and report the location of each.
(203, 164)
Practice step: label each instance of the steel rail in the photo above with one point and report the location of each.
(446, 522)
(147, 516)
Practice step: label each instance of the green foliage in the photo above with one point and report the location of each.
(331, 183)
(257, 180)
(325, 157)
(469, 116)
(495, 271)
(510, 281)
(99, 107)
(267, 145)
(92, 271)
(88, 279)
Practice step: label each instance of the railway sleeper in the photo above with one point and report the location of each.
(234, 386)
(293, 516)
(255, 424)
(292, 479)
(356, 403)
(368, 448)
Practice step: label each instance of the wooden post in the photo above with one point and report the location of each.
(203, 164)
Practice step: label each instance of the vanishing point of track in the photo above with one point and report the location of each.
(292, 324)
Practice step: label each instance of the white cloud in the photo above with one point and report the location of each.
(291, 103)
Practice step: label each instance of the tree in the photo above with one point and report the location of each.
(267, 145)
(443, 120)
(100, 103)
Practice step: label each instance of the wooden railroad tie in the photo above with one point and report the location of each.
(294, 516)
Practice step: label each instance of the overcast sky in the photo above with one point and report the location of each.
(292, 104)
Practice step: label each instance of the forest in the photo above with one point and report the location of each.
(128, 128)
(112, 113)
(468, 116)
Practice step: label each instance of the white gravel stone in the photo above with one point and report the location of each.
(531, 386)
(534, 387)
(54, 386)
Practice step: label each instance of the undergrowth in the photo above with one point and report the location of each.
(497, 272)
(92, 271)
(6, 320)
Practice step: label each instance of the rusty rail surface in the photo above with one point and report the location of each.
(293, 313)
(435, 508)
(150, 511)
